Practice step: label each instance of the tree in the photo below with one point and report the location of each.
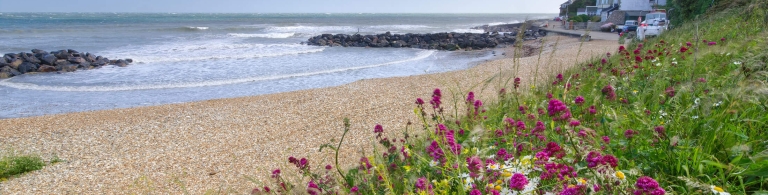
(686, 10)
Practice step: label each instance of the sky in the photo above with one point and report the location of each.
(285, 6)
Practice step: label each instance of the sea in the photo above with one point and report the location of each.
(185, 57)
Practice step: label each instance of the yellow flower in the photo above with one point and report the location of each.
(506, 174)
(497, 188)
(499, 182)
(718, 189)
(582, 181)
(620, 175)
(465, 151)
(407, 168)
(634, 91)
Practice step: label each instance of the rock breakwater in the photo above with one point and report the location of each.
(450, 41)
(15, 64)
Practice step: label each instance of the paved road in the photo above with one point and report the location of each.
(557, 28)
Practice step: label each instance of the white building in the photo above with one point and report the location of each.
(640, 5)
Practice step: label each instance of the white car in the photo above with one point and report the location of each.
(655, 23)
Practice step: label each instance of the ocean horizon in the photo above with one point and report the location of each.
(185, 57)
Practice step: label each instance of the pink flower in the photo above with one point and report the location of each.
(518, 182)
(670, 91)
(419, 101)
(606, 139)
(608, 54)
(592, 110)
(609, 92)
(435, 151)
(313, 189)
(475, 192)
(517, 82)
(276, 173)
(688, 44)
(574, 123)
(521, 109)
(470, 97)
(711, 43)
(451, 140)
(683, 49)
(594, 159)
(378, 129)
(354, 189)
(638, 59)
(423, 184)
(702, 80)
(647, 185)
(629, 133)
(474, 164)
(611, 160)
(579, 100)
(436, 98)
(328, 167)
(603, 61)
(621, 48)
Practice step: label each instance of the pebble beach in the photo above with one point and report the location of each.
(220, 146)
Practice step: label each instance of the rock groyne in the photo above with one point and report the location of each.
(440, 41)
(15, 64)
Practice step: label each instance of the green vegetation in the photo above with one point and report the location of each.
(580, 18)
(13, 165)
(683, 113)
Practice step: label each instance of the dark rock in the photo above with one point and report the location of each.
(129, 60)
(61, 54)
(48, 59)
(37, 51)
(15, 63)
(47, 68)
(29, 58)
(90, 57)
(27, 67)
(121, 63)
(72, 51)
(61, 62)
(76, 60)
(67, 67)
(11, 72)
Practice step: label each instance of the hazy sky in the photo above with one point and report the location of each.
(286, 6)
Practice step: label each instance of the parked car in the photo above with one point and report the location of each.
(630, 25)
(558, 18)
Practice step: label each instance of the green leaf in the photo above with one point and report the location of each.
(716, 164)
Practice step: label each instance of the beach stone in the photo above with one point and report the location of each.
(72, 51)
(76, 60)
(67, 68)
(29, 58)
(61, 62)
(84, 65)
(15, 63)
(90, 57)
(121, 63)
(61, 54)
(27, 67)
(37, 51)
(12, 72)
(48, 59)
(129, 60)
(47, 68)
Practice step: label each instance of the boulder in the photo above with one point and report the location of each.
(27, 67)
(90, 57)
(15, 63)
(47, 68)
(84, 65)
(61, 54)
(48, 59)
(67, 68)
(129, 60)
(76, 60)
(72, 51)
(61, 62)
(11, 72)
(37, 51)
(121, 63)
(29, 58)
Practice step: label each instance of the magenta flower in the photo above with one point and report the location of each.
(557, 107)
(606, 139)
(423, 184)
(501, 154)
(722, 39)
(475, 192)
(574, 123)
(474, 164)
(594, 159)
(683, 49)
(688, 44)
(435, 151)
(478, 104)
(711, 43)
(266, 189)
(559, 77)
(276, 173)
(539, 127)
(521, 109)
(608, 54)
(549, 95)
(520, 125)
(659, 130)
(603, 61)
(517, 82)
(441, 129)
(365, 164)
(419, 101)
(313, 189)
(629, 133)
(451, 140)
(436, 98)
(579, 100)
(518, 182)
(702, 80)
(354, 189)
(638, 59)
(378, 129)
(647, 186)
(621, 48)
(592, 110)
(611, 160)
(328, 167)
(470, 97)
(670, 91)
(609, 92)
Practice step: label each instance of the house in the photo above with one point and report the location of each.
(640, 5)
(581, 11)
(564, 7)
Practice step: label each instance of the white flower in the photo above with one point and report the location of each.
(737, 63)
(468, 182)
(492, 166)
(492, 156)
(717, 104)
(658, 64)
(432, 163)
(674, 62)
(474, 139)
(464, 175)
(718, 190)
(696, 101)
(695, 117)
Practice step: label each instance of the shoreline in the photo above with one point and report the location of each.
(214, 144)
